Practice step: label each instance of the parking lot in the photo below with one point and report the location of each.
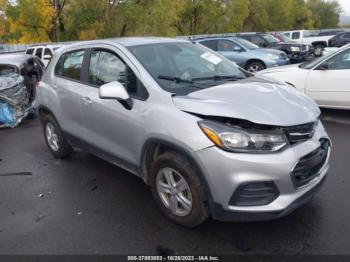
(85, 205)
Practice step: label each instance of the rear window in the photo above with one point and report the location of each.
(30, 51)
(70, 65)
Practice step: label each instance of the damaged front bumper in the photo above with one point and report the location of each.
(16, 101)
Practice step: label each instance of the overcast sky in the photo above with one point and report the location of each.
(345, 5)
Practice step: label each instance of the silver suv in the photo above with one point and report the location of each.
(208, 137)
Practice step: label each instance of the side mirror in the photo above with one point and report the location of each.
(237, 49)
(47, 57)
(115, 90)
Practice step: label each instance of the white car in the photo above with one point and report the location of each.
(326, 79)
(43, 52)
(305, 37)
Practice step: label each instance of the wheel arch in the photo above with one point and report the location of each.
(154, 147)
(43, 111)
(317, 43)
(254, 60)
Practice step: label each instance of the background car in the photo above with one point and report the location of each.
(295, 51)
(43, 52)
(319, 42)
(19, 76)
(325, 79)
(244, 53)
(340, 39)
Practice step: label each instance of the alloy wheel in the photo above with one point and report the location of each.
(174, 191)
(52, 137)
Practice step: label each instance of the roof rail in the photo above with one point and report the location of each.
(196, 37)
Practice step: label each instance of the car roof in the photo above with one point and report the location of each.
(14, 59)
(214, 38)
(128, 41)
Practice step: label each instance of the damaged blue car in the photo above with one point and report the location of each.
(19, 76)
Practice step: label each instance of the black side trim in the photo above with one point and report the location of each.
(74, 140)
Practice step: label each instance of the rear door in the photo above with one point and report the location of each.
(70, 91)
(330, 87)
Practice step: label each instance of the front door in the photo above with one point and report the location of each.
(112, 130)
(329, 83)
(232, 51)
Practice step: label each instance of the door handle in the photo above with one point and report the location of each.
(87, 100)
(54, 86)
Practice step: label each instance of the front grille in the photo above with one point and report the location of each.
(308, 167)
(301, 133)
(304, 48)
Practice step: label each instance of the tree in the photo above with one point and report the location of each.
(325, 13)
(30, 20)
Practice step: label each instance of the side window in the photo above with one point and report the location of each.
(212, 44)
(39, 52)
(347, 36)
(295, 35)
(30, 51)
(107, 67)
(340, 61)
(287, 34)
(70, 65)
(227, 46)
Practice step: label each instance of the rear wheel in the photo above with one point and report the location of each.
(54, 138)
(177, 190)
(255, 66)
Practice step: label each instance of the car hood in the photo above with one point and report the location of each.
(279, 69)
(266, 51)
(256, 99)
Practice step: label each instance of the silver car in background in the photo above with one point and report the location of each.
(208, 137)
(244, 53)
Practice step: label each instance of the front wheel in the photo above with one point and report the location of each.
(177, 190)
(255, 66)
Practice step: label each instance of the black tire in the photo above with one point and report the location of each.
(255, 66)
(64, 148)
(199, 211)
(318, 50)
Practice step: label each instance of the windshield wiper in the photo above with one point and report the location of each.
(220, 77)
(175, 79)
(179, 80)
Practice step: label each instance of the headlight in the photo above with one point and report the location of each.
(294, 49)
(273, 57)
(236, 139)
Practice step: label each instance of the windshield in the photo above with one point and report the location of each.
(270, 39)
(285, 38)
(9, 71)
(246, 44)
(313, 63)
(182, 68)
